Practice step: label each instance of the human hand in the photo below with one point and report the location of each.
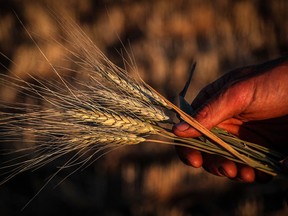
(251, 103)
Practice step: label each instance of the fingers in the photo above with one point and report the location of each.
(183, 129)
(190, 156)
(212, 163)
(249, 175)
(226, 105)
(220, 166)
(209, 116)
(245, 173)
(223, 167)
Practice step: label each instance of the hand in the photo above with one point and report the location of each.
(251, 103)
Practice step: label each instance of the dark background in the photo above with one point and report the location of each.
(164, 38)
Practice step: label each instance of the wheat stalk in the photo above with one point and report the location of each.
(100, 114)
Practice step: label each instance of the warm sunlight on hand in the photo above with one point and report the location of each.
(250, 102)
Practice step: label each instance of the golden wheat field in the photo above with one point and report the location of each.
(163, 38)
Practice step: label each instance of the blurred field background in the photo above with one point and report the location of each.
(164, 38)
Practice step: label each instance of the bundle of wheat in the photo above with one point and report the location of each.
(107, 110)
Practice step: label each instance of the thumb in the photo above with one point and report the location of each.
(223, 106)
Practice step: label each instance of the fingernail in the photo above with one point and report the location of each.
(182, 126)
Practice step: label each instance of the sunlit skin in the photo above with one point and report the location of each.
(250, 102)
